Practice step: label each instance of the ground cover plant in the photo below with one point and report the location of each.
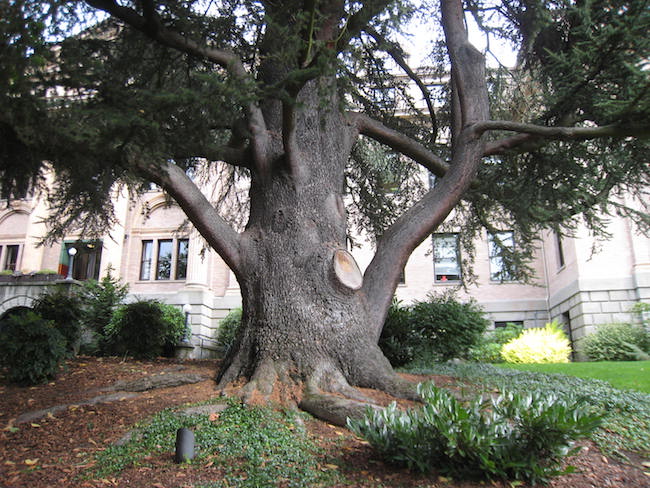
(626, 414)
(61, 450)
(255, 446)
(510, 436)
(634, 375)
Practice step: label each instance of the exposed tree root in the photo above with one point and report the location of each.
(331, 408)
(325, 392)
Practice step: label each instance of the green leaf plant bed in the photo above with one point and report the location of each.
(511, 436)
(625, 414)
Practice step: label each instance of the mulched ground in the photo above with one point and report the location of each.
(55, 448)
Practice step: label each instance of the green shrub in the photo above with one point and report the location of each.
(616, 342)
(438, 329)
(144, 329)
(100, 300)
(547, 344)
(489, 350)
(32, 349)
(228, 329)
(64, 310)
(398, 340)
(513, 436)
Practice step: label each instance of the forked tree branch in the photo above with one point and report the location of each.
(216, 231)
(413, 227)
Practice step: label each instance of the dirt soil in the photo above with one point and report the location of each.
(42, 446)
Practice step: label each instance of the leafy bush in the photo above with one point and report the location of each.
(143, 329)
(32, 348)
(513, 436)
(547, 344)
(228, 329)
(438, 329)
(626, 414)
(64, 310)
(616, 342)
(397, 339)
(100, 300)
(489, 349)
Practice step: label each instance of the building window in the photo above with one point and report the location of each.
(181, 259)
(402, 277)
(10, 261)
(145, 260)
(170, 259)
(500, 248)
(446, 258)
(560, 250)
(164, 260)
(504, 323)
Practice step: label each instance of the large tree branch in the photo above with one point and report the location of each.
(395, 51)
(216, 231)
(150, 25)
(399, 241)
(399, 142)
(537, 134)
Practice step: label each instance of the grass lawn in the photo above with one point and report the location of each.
(634, 375)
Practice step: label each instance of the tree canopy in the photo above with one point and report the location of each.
(94, 87)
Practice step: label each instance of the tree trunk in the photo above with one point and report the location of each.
(306, 327)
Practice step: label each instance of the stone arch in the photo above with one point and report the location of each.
(16, 301)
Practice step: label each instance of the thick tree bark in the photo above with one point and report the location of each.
(305, 319)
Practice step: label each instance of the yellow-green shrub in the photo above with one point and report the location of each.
(547, 344)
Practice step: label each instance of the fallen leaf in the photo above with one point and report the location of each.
(213, 417)
(35, 425)
(31, 462)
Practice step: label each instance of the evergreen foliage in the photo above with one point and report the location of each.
(144, 329)
(130, 99)
(229, 328)
(64, 309)
(489, 348)
(100, 299)
(437, 329)
(32, 348)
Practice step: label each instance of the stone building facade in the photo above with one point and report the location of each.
(579, 282)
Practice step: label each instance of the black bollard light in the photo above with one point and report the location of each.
(184, 446)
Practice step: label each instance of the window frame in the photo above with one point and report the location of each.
(496, 261)
(445, 277)
(4, 255)
(154, 262)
